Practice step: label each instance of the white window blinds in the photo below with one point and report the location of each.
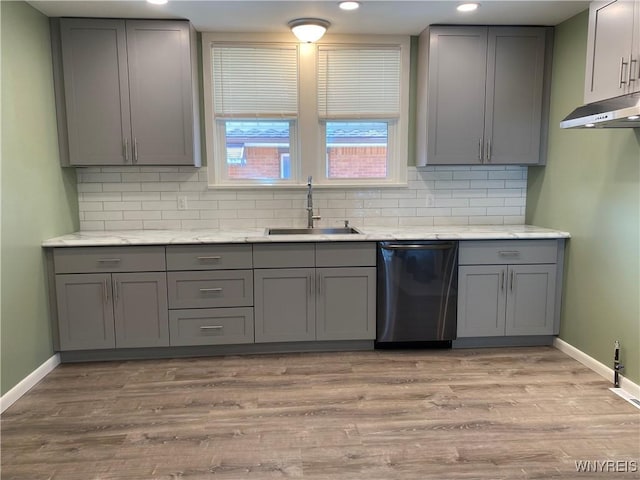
(255, 81)
(358, 82)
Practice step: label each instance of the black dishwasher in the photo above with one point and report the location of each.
(417, 293)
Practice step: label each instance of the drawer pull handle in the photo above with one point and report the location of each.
(509, 253)
(213, 257)
(108, 260)
(211, 327)
(209, 290)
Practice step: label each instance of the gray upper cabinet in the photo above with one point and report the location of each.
(481, 95)
(125, 92)
(613, 50)
(96, 90)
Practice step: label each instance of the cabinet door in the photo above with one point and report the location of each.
(161, 92)
(346, 303)
(285, 305)
(85, 311)
(608, 49)
(140, 307)
(634, 79)
(515, 77)
(481, 300)
(96, 89)
(456, 95)
(531, 299)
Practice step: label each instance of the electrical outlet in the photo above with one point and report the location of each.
(182, 203)
(430, 201)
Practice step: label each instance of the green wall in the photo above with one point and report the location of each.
(590, 188)
(39, 199)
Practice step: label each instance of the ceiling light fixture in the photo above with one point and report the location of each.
(349, 5)
(309, 30)
(467, 7)
(157, 2)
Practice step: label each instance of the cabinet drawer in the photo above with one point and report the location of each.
(508, 252)
(346, 254)
(209, 257)
(108, 259)
(284, 255)
(211, 326)
(228, 288)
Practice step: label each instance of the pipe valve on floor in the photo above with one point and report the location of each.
(617, 366)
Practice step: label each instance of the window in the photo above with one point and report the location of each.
(277, 111)
(359, 104)
(255, 104)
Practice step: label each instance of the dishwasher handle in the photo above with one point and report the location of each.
(418, 246)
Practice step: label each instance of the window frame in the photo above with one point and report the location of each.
(310, 128)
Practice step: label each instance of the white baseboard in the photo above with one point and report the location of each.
(600, 368)
(29, 382)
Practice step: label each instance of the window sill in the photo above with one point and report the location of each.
(300, 186)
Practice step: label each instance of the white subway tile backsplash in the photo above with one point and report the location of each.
(121, 187)
(415, 221)
(102, 216)
(161, 224)
(140, 196)
(122, 206)
(142, 215)
(160, 187)
(124, 225)
(146, 198)
(181, 215)
(141, 177)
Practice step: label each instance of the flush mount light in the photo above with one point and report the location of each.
(157, 2)
(467, 7)
(309, 30)
(349, 5)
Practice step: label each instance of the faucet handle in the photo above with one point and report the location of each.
(346, 224)
(309, 180)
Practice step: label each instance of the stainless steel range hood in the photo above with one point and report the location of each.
(618, 112)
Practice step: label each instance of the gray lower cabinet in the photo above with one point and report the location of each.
(211, 326)
(331, 296)
(125, 92)
(140, 309)
(507, 299)
(285, 305)
(210, 290)
(85, 311)
(346, 303)
(499, 300)
(120, 310)
(481, 95)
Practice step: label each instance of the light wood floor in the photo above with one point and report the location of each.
(461, 414)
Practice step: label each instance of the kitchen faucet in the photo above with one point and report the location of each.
(310, 216)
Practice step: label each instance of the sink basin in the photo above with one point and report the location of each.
(312, 231)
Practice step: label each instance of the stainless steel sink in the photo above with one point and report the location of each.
(312, 231)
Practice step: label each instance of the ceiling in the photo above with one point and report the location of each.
(374, 16)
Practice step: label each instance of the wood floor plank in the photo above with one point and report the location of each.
(505, 413)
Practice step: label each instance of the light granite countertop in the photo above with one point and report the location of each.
(186, 237)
